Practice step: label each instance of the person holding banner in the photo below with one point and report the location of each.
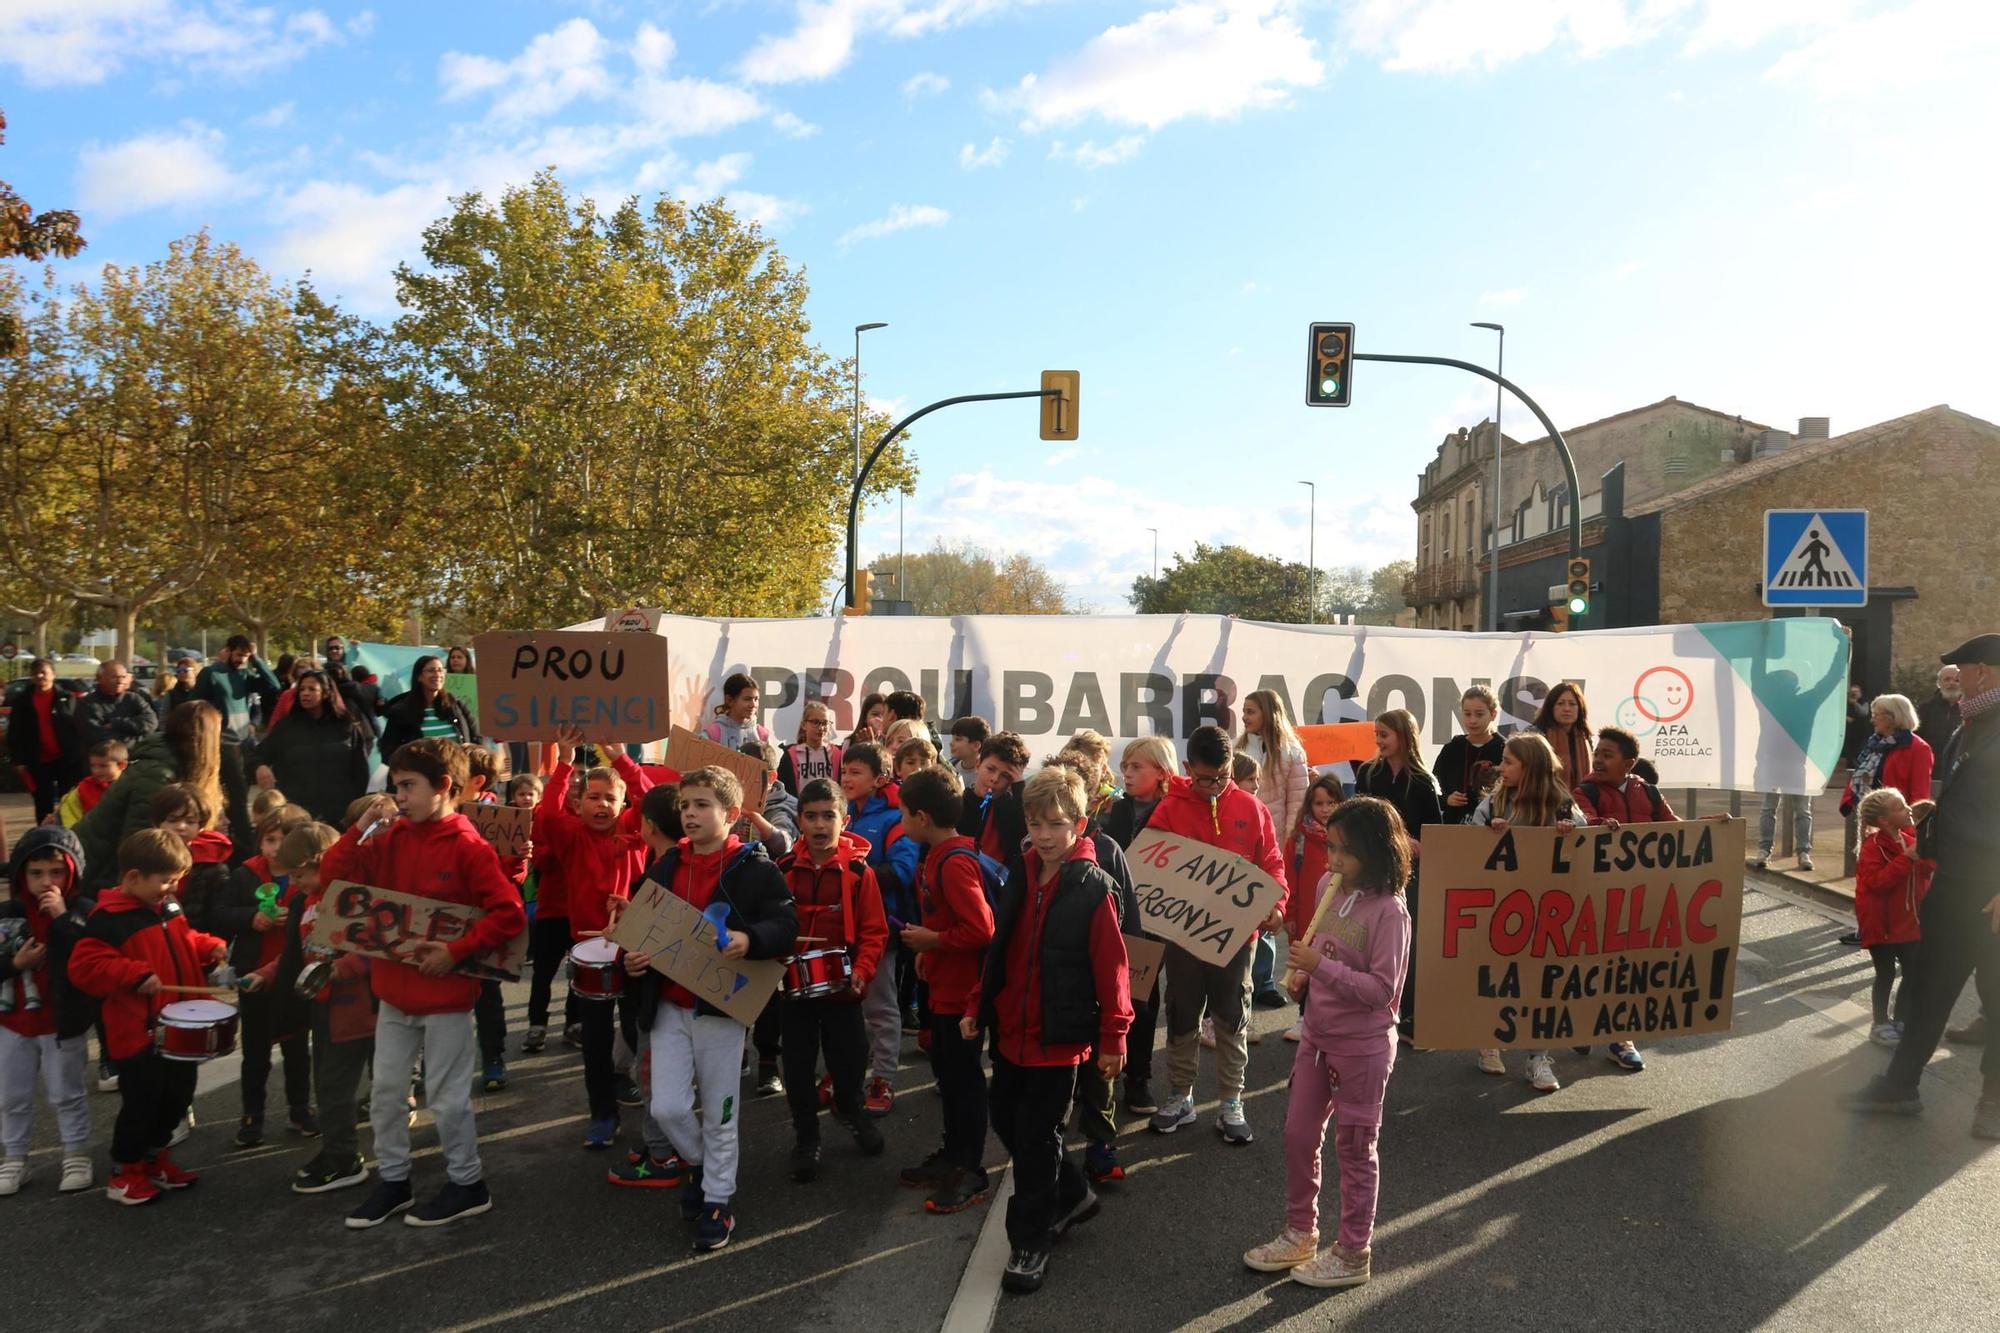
(735, 723)
(1564, 718)
(1207, 807)
(1348, 973)
(1398, 776)
(1465, 765)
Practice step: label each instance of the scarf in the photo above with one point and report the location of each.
(1972, 705)
(1875, 752)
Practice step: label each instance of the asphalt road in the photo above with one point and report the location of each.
(1718, 1190)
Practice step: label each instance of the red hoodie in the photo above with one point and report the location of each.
(1890, 882)
(840, 902)
(593, 867)
(1019, 1003)
(1307, 869)
(1235, 821)
(124, 942)
(445, 859)
(953, 898)
(696, 875)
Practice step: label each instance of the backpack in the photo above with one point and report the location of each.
(1590, 790)
(992, 873)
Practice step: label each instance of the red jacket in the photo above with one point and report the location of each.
(1018, 1006)
(841, 903)
(1907, 768)
(1307, 869)
(445, 859)
(125, 942)
(1235, 821)
(953, 900)
(1890, 881)
(591, 868)
(1635, 801)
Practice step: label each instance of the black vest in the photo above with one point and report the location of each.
(1070, 1011)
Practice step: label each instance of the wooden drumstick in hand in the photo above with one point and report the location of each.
(1312, 927)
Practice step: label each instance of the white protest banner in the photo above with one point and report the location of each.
(381, 923)
(681, 942)
(1533, 937)
(613, 687)
(1202, 898)
(1752, 705)
(507, 827)
(1142, 965)
(633, 619)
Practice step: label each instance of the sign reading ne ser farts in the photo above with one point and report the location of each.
(610, 686)
(1534, 937)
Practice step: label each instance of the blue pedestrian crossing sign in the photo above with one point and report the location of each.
(1816, 557)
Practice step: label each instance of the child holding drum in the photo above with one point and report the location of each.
(132, 952)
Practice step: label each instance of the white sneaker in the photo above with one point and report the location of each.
(76, 1174)
(12, 1172)
(1334, 1268)
(183, 1129)
(1886, 1034)
(1491, 1063)
(1295, 1032)
(1287, 1252)
(1542, 1073)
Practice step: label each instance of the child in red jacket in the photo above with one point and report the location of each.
(957, 925)
(430, 851)
(601, 853)
(44, 1021)
(1890, 881)
(839, 907)
(1054, 988)
(1207, 807)
(136, 942)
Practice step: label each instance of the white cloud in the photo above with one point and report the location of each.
(972, 159)
(1448, 36)
(823, 39)
(1090, 154)
(157, 170)
(792, 127)
(554, 69)
(1627, 269)
(677, 107)
(1504, 296)
(1062, 456)
(356, 264)
(277, 117)
(901, 217)
(652, 49)
(1212, 58)
(86, 41)
(925, 85)
(1928, 43)
(1741, 24)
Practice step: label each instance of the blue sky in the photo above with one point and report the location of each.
(1773, 207)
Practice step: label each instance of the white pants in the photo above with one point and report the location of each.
(882, 1011)
(705, 1052)
(61, 1065)
(449, 1049)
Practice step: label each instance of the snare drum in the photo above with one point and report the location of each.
(195, 1030)
(595, 972)
(815, 975)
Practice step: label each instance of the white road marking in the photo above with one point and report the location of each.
(978, 1296)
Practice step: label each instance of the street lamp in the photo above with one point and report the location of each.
(860, 329)
(1493, 507)
(1312, 552)
(1156, 553)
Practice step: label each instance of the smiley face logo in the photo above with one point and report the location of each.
(1664, 694)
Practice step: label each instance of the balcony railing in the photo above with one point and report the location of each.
(1441, 583)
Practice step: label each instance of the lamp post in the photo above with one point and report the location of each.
(1156, 553)
(860, 329)
(1493, 507)
(1312, 552)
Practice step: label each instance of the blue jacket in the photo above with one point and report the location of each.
(891, 856)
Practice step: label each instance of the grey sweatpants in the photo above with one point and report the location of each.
(61, 1065)
(1224, 992)
(882, 1011)
(449, 1049)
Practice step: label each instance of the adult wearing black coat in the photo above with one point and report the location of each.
(43, 741)
(319, 753)
(112, 712)
(426, 709)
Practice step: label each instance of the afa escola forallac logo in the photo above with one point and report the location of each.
(1657, 709)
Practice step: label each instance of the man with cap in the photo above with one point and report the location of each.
(1961, 915)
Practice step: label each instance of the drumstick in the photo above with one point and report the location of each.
(1312, 928)
(215, 992)
(812, 939)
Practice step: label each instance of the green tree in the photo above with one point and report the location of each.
(628, 408)
(1228, 580)
(26, 234)
(963, 580)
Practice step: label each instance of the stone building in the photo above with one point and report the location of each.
(1665, 447)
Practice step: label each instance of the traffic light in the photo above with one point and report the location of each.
(1578, 603)
(1059, 410)
(864, 592)
(1330, 365)
(1559, 617)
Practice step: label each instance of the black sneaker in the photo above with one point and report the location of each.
(304, 1123)
(691, 1200)
(1852, 939)
(1139, 1098)
(388, 1198)
(322, 1177)
(1880, 1095)
(451, 1203)
(928, 1174)
(805, 1162)
(768, 1082)
(962, 1191)
(1084, 1209)
(712, 1230)
(251, 1132)
(867, 1134)
(628, 1093)
(1025, 1271)
(1268, 999)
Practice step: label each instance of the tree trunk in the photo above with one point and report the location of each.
(127, 616)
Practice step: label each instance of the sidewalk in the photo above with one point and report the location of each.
(1829, 834)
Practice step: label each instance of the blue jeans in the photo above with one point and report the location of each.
(1264, 965)
(1767, 823)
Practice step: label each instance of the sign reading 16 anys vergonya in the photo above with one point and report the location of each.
(1816, 557)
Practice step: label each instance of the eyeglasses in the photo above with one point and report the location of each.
(1208, 782)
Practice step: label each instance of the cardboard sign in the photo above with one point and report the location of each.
(1338, 742)
(507, 827)
(1142, 965)
(634, 620)
(1536, 938)
(1199, 897)
(381, 923)
(612, 687)
(682, 944)
(686, 752)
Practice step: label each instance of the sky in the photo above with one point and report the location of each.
(1778, 208)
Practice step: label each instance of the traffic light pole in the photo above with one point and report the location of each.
(1562, 445)
(861, 477)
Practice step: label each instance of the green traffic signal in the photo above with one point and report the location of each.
(1578, 606)
(1330, 387)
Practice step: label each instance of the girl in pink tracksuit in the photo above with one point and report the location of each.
(1353, 968)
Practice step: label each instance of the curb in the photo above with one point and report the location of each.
(1814, 890)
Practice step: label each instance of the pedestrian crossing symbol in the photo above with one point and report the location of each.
(1815, 557)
